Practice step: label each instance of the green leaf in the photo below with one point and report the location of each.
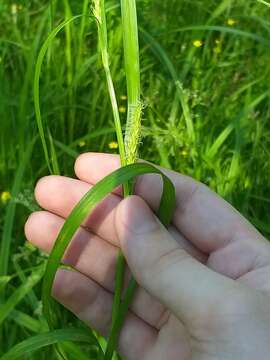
(264, 2)
(223, 29)
(166, 61)
(40, 59)
(28, 322)
(85, 207)
(54, 337)
(11, 209)
(20, 293)
(4, 280)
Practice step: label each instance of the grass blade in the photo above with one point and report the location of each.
(28, 322)
(100, 16)
(84, 208)
(10, 214)
(223, 29)
(264, 2)
(40, 59)
(40, 341)
(20, 293)
(4, 280)
(163, 57)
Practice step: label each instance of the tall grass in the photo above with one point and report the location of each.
(225, 88)
(128, 155)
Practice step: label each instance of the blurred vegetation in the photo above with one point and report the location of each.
(208, 58)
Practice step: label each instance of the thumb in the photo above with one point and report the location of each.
(185, 286)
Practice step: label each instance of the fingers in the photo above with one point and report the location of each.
(203, 217)
(102, 164)
(93, 257)
(87, 252)
(181, 283)
(59, 195)
(208, 222)
(93, 305)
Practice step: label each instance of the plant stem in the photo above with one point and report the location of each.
(119, 321)
(132, 138)
(99, 13)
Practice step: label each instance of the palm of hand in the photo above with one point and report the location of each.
(218, 238)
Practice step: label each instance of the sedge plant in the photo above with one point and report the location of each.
(226, 155)
(128, 149)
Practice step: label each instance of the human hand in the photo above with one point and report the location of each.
(204, 284)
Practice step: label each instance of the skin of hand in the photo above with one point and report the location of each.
(204, 283)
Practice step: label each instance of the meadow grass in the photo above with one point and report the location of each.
(205, 90)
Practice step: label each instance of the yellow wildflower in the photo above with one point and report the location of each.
(5, 196)
(123, 97)
(122, 109)
(197, 43)
(113, 145)
(231, 22)
(82, 143)
(184, 153)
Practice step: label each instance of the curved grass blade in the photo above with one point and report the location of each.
(40, 59)
(222, 29)
(264, 2)
(37, 342)
(20, 293)
(84, 208)
(4, 280)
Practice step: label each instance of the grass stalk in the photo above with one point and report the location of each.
(132, 139)
(81, 33)
(69, 62)
(100, 15)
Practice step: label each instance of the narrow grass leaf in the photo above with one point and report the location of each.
(28, 322)
(100, 16)
(20, 293)
(85, 207)
(4, 280)
(221, 8)
(11, 209)
(163, 57)
(41, 55)
(38, 342)
(219, 141)
(264, 2)
(223, 29)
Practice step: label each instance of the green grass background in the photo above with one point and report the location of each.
(220, 88)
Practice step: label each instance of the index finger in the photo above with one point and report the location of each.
(202, 216)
